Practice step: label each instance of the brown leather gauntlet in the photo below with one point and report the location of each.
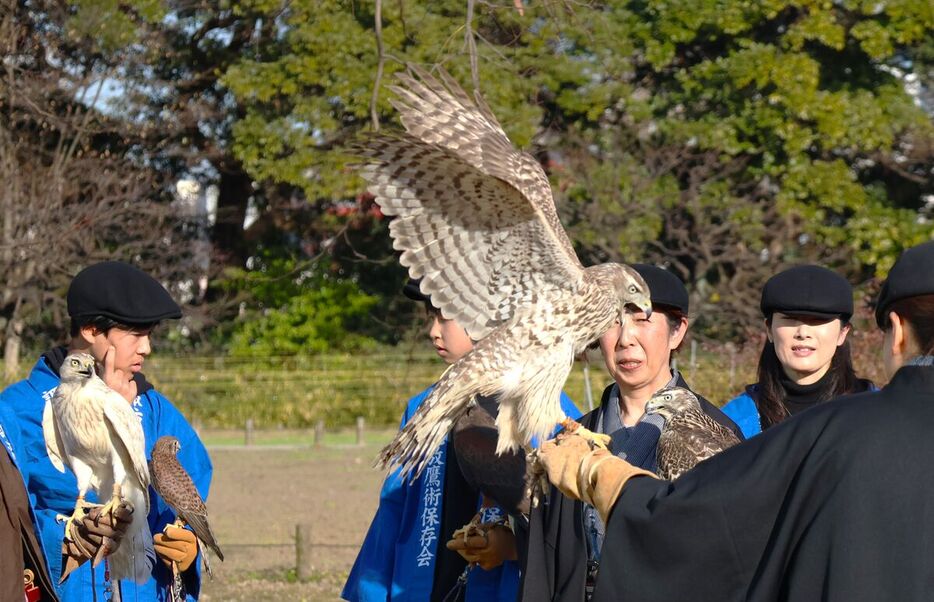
(594, 476)
(95, 536)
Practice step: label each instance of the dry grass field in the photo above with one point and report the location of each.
(261, 493)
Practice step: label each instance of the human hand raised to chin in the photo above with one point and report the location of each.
(120, 381)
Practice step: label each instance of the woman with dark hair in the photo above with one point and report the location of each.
(565, 536)
(832, 504)
(806, 357)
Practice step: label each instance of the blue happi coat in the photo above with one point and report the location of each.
(743, 410)
(397, 559)
(52, 492)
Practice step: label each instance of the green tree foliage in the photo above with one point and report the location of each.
(301, 311)
(308, 93)
(805, 92)
(319, 319)
(724, 137)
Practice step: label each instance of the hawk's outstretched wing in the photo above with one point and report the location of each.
(475, 217)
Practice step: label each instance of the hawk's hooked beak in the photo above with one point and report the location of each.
(87, 372)
(647, 309)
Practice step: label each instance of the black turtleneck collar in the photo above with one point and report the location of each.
(801, 397)
(56, 355)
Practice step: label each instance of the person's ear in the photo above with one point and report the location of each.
(679, 333)
(87, 334)
(899, 343)
(843, 334)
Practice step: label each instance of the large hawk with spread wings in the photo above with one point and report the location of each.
(476, 222)
(689, 436)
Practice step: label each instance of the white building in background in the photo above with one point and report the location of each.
(197, 206)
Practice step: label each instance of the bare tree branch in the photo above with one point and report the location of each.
(378, 17)
(471, 43)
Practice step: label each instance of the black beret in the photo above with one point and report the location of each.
(120, 292)
(808, 290)
(413, 292)
(911, 276)
(664, 287)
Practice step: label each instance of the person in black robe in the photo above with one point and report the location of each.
(560, 543)
(831, 504)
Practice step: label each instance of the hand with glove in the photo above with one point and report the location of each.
(176, 544)
(592, 475)
(487, 544)
(95, 536)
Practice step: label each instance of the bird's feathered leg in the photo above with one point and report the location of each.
(83, 474)
(111, 506)
(108, 508)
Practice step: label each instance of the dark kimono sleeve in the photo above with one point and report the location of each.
(721, 532)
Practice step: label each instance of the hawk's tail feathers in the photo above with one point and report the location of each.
(199, 524)
(136, 556)
(204, 559)
(418, 441)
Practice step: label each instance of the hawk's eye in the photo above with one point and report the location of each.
(74, 362)
(668, 397)
(632, 288)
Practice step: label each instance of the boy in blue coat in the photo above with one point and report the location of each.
(113, 308)
(404, 557)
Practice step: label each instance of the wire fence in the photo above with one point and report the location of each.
(337, 389)
(224, 392)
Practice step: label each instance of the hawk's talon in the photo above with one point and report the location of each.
(537, 477)
(594, 439)
(111, 506)
(471, 528)
(80, 506)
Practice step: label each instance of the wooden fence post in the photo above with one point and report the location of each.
(732, 349)
(319, 433)
(361, 425)
(303, 566)
(248, 432)
(693, 358)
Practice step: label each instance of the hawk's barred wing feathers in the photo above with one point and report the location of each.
(123, 421)
(475, 218)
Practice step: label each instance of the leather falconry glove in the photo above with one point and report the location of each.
(488, 544)
(95, 536)
(594, 476)
(176, 544)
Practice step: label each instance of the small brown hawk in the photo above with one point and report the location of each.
(689, 435)
(175, 486)
(476, 221)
